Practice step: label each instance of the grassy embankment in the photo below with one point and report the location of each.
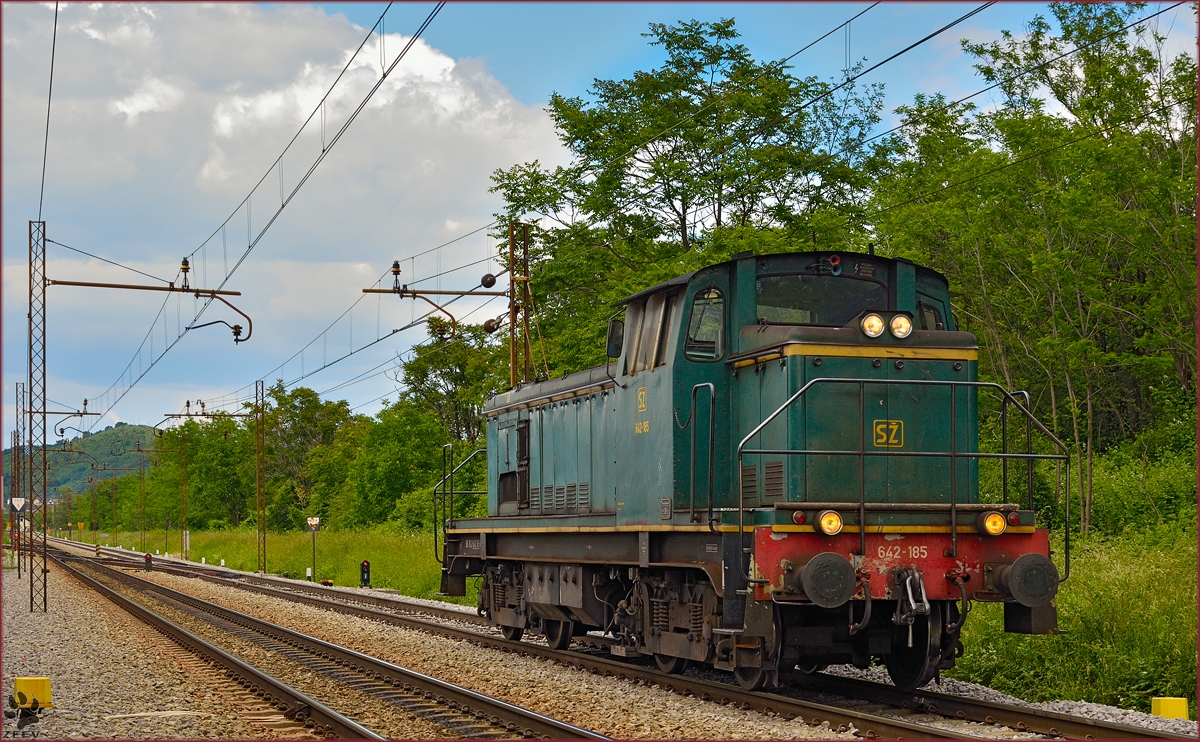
(1129, 608)
(399, 561)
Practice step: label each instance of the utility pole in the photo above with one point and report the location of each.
(520, 304)
(36, 494)
(260, 454)
(14, 491)
(182, 451)
(113, 481)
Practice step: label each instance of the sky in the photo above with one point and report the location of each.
(167, 124)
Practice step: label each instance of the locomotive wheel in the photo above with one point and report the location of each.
(512, 633)
(669, 664)
(558, 633)
(812, 669)
(912, 667)
(757, 678)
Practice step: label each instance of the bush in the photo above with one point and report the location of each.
(1129, 609)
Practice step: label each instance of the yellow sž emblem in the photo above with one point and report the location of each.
(889, 433)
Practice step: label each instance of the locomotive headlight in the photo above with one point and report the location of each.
(872, 325)
(901, 326)
(830, 522)
(991, 523)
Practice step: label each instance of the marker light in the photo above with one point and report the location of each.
(901, 326)
(1014, 518)
(872, 325)
(830, 522)
(798, 517)
(991, 523)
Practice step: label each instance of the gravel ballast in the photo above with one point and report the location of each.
(103, 663)
(1074, 708)
(617, 708)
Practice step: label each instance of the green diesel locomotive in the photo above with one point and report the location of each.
(779, 470)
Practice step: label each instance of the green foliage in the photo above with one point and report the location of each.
(1075, 258)
(711, 143)
(1129, 609)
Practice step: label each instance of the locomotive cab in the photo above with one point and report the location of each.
(778, 470)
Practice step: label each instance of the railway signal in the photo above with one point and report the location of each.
(314, 525)
(364, 574)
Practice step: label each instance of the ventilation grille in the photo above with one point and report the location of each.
(773, 480)
(574, 497)
(749, 481)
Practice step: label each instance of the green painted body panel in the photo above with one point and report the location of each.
(609, 448)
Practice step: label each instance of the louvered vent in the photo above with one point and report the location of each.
(773, 480)
(560, 498)
(584, 503)
(749, 481)
(570, 504)
(535, 497)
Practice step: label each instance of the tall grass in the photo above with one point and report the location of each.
(399, 561)
(1129, 609)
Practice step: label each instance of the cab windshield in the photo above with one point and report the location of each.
(806, 299)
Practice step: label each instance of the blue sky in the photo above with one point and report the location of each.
(164, 117)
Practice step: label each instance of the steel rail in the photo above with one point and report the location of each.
(987, 712)
(870, 725)
(1023, 719)
(501, 713)
(945, 704)
(295, 704)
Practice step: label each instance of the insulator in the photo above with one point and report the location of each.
(184, 268)
(237, 331)
(395, 267)
(490, 326)
(487, 281)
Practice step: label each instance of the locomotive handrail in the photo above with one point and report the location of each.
(439, 489)
(1007, 397)
(712, 449)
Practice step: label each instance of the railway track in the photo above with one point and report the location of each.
(464, 713)
(875, 719)
(295, 705)
(879, 696)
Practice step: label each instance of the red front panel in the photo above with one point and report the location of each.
(886, 552)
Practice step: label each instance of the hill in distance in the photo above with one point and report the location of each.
(115, 447)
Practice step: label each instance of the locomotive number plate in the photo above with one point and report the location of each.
(889, 433)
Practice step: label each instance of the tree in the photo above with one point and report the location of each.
(677, 168)
(452, 377)
(1076, 253)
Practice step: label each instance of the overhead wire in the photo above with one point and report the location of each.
(49, 97)
(973, 12)
(106, 260)
(674, 125)
(327, 147)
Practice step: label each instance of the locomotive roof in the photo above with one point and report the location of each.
(686, 277)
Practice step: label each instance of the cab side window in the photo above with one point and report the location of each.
(706, 328)
(648, 328)
(929, 316)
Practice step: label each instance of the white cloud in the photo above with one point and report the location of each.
(163, 121)
(152, 95)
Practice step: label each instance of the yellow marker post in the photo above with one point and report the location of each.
(1169, 708)
(34, 693)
